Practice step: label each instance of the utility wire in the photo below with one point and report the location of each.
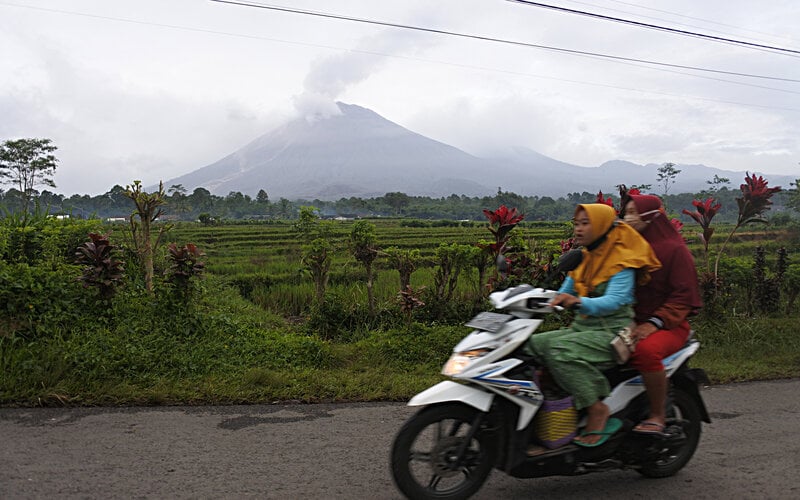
(709, 21)
(448, 63)
(498, 40)
(530, 3)
(664, 20)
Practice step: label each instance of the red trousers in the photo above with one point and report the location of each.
(657, 346)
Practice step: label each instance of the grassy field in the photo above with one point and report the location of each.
(250, 335)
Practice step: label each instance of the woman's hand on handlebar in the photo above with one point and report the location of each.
(565, 300)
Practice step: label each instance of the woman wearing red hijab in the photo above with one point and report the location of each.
(663, 305)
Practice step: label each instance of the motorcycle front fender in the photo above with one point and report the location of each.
(449, 391)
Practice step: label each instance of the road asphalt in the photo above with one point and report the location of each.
(751, 450)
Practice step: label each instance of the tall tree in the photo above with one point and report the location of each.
(201, 199)
(365, 250)
(178, 198)
(397, 201)
(147, 210)
(794, 195)
(27, 163)
(666, 176)
(716, 184)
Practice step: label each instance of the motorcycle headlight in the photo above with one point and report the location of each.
(460, 360)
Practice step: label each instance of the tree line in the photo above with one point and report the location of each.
(28, 164)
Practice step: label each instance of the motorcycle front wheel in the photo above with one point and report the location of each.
(685, 416)
(434, 457)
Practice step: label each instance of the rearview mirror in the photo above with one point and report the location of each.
(570, 260)
(502, 264)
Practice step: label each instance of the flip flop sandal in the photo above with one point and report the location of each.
(648, 427)
(612, 426)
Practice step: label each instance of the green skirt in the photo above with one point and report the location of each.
(576, 356)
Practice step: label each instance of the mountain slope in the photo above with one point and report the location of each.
(356, 153)
(359, 153)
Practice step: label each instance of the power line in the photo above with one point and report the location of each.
(656, 27)
(498, 40)
(447, 63)
(693, 18)
(677, 23)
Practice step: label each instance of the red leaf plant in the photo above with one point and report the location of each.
(185, 264)
(606, 201)
(102, 269)
(502, 221)
(705, 211)
(755, 200)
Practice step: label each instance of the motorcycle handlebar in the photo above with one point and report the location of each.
(536, 304)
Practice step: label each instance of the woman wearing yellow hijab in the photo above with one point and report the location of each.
(601, 289)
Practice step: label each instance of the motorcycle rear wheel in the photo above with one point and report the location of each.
(424, 455)
(686, 411)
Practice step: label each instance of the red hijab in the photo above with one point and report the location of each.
(676, 281)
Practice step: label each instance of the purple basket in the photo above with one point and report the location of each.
(556, 422)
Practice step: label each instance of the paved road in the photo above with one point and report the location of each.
(751, 450)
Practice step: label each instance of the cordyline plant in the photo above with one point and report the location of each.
(103, 271)
(755, 200)
(185, 264)
(409, 300)
(703, 213)
(608, 201)
(501, 222)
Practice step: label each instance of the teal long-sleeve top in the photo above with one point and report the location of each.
(619, 292)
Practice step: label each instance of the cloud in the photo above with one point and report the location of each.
(330, 77)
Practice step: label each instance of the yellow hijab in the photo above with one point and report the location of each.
(617, 246)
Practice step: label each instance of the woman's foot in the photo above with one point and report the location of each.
(650, 426)
(597, 417)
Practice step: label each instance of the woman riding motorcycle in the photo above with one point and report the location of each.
(601, 290)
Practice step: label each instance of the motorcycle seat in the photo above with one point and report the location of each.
(624, 372)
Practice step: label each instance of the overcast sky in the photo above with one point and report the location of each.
(153, 89)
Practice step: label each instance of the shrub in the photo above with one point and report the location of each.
(37, 301)
(102, 269)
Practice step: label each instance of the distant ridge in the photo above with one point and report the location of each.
(358, 153)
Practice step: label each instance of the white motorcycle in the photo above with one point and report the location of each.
(486, 416)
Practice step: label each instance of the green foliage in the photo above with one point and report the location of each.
(365, 250)
(341, 318)
(794, 196)
(733, 350)
(42, 239)
(666, 175)
(317, 259)
(147, 211)
(307, 223)
(405, 261)
(451, 260)
(37, 299)
(408, 349)
(253, 333)
(768, 287)
(791, 284)
(27, 163)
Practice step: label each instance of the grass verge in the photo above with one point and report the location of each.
(259, 359)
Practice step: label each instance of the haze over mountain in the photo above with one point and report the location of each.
(357, 152)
